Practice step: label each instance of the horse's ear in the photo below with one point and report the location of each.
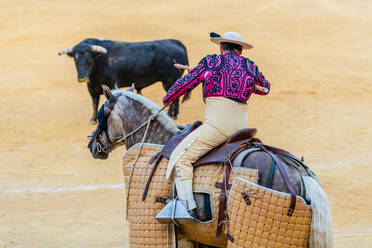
(107, 92)
(131, 88)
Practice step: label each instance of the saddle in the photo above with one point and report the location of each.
(224, 153)
(219, 154)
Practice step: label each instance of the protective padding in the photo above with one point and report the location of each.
(264, 223)
(144, 230)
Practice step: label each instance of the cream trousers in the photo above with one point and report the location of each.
(223, 117)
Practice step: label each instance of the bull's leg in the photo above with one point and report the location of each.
(95, 99)
(173, 109)
(174, 106)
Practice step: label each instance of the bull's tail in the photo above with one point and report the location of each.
(321, 235)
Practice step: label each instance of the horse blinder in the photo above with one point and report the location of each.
(102, 117)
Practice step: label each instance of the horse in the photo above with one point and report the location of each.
(131, 119)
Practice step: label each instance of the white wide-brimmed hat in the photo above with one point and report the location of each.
(231, 37)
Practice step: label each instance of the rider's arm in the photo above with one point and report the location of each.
(261, 81)
(185, 84)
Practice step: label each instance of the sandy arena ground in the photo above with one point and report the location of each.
(317, 55)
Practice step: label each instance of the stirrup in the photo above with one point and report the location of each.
(175, 212)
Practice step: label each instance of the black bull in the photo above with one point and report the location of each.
(120, 64)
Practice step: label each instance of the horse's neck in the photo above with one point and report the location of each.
(135, 116)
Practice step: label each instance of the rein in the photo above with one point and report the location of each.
(124, 138)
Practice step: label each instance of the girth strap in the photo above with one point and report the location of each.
(226, 186)
(223, 198)
(285, 178)
(156, 158)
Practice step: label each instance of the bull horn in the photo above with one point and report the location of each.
(106, 92)
(98, 49)
(66, 50)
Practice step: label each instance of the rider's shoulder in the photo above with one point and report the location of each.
(250, 64)
(210, 57)
(248, 61)
(212, 61)
(213, 56)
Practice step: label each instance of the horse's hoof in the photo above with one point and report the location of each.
(92, 122)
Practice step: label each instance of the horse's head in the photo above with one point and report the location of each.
(109, 132)
(128, 118)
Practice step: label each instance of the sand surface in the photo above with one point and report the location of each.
(317, 55)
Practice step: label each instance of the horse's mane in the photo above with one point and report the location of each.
(163, 118)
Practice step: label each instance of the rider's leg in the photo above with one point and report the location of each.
(195, 145)
(223, 118)
(185, 192)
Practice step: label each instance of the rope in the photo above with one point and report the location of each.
(148, 122)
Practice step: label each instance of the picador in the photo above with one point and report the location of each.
(231, 189)
(228, 80)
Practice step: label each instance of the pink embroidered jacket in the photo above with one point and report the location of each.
(228, 75)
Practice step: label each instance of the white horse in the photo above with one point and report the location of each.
(127, 115)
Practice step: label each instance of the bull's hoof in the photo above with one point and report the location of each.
(92, 122)
(171, 115)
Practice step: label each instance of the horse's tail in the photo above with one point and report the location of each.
(321, 235)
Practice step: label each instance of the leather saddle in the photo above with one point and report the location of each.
(227, 151)
(219, 154)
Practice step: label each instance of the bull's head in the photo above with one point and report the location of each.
(84, 55)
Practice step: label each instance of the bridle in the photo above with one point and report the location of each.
(108, 107)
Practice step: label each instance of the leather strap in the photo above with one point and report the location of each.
(157, 159)
(285, 178)
(286, 153)
(223, 197)
(226, 186)
(161, 200)
(222, 186)
(298, 161)
(94, 137)
(110, 105)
